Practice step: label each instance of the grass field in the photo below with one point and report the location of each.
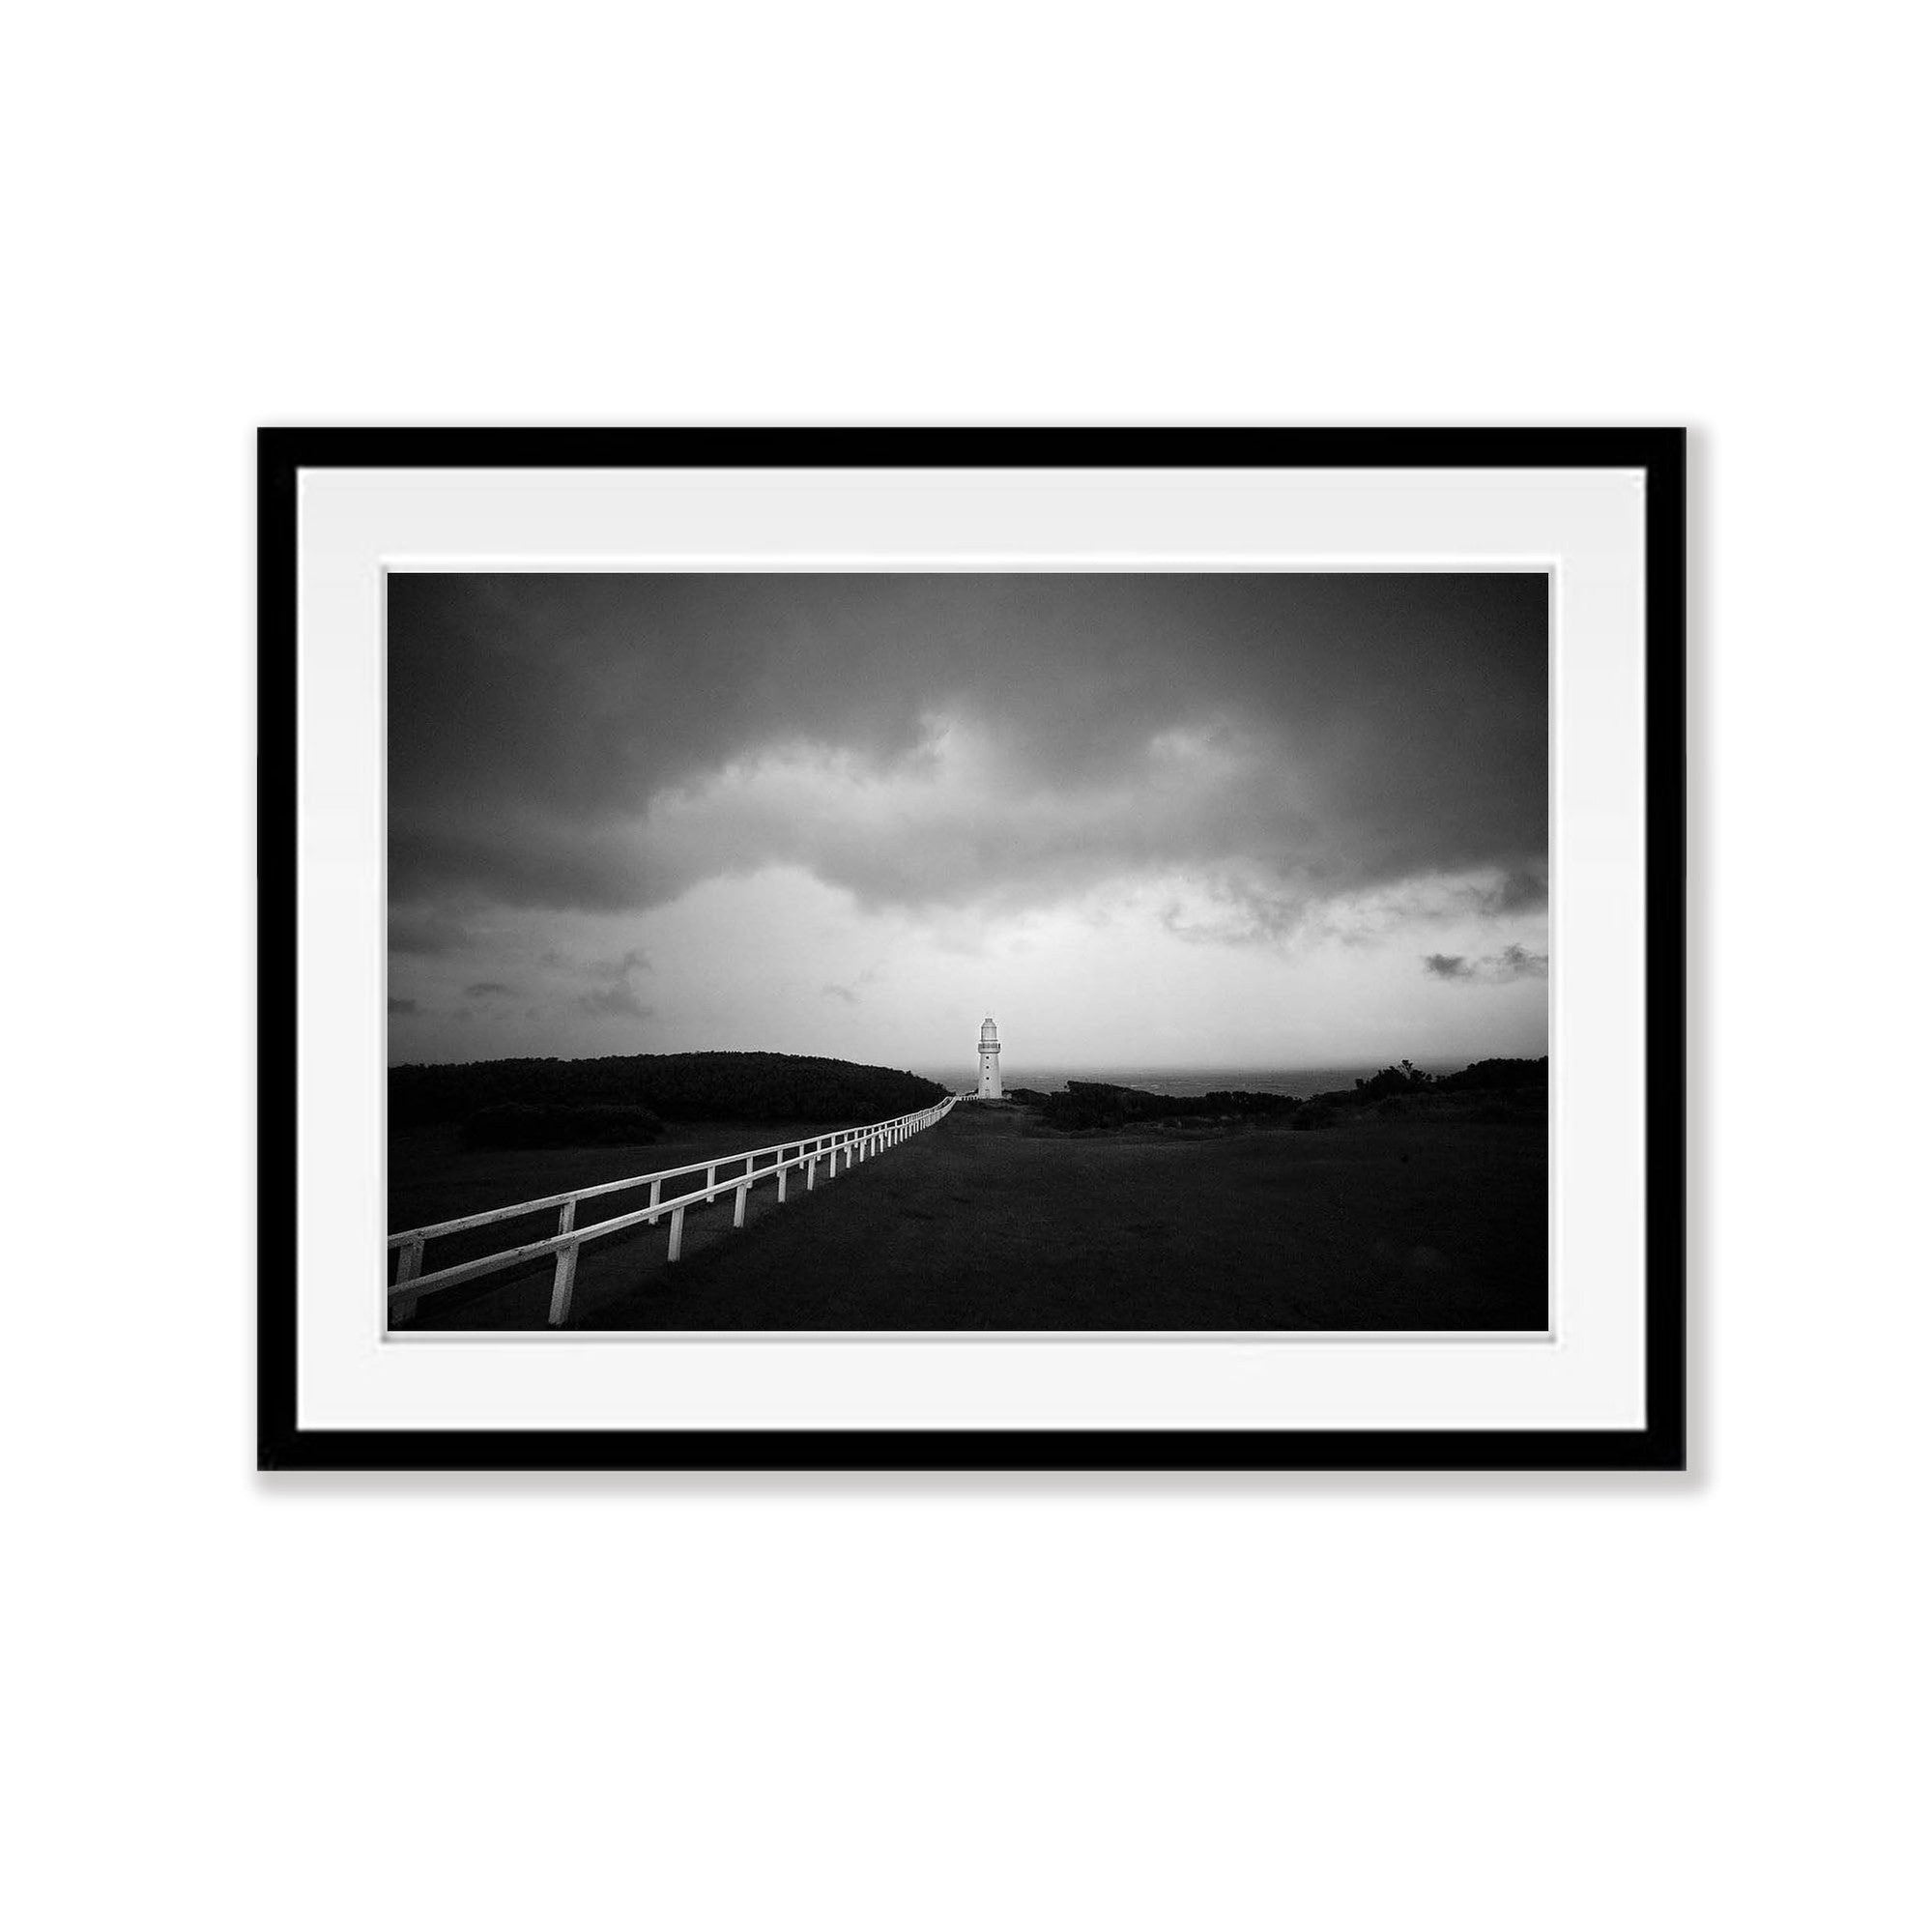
(991, 1221)
(433, 1177)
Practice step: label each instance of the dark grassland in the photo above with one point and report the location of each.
(992, 1220)
(436, 1174)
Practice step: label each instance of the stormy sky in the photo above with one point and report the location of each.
(1184, 820)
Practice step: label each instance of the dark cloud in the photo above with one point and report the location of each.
(1496, 969)
(635, 960)
(426, 932)
(843, 993)
(401, 1005)
(486, 989)
(619, 999)
(1526, 891)
(602, 744)
(1516, 963)
(616, 995)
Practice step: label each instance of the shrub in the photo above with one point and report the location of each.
(1404, 1079)
(1498, 1077)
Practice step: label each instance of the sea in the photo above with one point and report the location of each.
(1179, 1082)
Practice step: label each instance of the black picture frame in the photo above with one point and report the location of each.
(1660, 1444)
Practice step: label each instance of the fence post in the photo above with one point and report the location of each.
(408, 1267)
(654, 1196)
(811, 1172)
(676, 1233)
(565, 1277)
(561, 1284)
(737, 1210)
(783, 1170)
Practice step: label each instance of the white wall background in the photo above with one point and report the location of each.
(705, 1702)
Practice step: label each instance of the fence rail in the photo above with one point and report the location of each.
(852, 1143)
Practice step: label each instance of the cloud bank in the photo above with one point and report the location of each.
(1165, 816)
(1498, 969)
(600, 744)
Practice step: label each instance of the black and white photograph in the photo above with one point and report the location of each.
(968, 952)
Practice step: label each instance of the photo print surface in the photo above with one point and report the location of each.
(1008, 952)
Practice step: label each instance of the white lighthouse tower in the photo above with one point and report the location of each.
(989, 1061)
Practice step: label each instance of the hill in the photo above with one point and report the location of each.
(669, 1086)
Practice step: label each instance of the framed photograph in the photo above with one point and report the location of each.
(972, 949)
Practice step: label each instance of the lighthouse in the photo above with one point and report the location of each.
(989, 1061)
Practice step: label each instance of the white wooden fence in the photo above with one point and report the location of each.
(850, 1143)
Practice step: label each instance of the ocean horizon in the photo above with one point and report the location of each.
(1183, 1081)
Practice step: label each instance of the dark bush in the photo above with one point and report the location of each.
(1497, 1076)
(1404, 1079)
